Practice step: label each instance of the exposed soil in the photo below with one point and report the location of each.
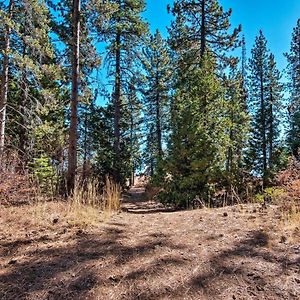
(147, 252)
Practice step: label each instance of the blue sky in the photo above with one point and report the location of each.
(276, 18)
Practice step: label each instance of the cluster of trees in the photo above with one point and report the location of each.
(191, 107)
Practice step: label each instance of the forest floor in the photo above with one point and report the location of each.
(147, 252)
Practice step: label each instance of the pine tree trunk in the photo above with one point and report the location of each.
(158, 123)
(271, 134)
(131, 181)
(85, 149)
(229, 161)
(203, 29)
(263, 120)
(117, 109)
(22, 123)
(72, 154)
(4, 80)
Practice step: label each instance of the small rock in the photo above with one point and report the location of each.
(63, 231)
(225, 214)
(55, 220)
(113, 278)
(283, 239)
(254, 210)
(12, 261)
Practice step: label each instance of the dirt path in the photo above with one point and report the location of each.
(136, 202)
(146, 252)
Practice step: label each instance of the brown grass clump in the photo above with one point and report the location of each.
(111, 196)
(88, 206)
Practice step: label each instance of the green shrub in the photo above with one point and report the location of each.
(270, 194)
(44, 174)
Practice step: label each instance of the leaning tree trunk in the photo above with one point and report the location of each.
(72, 154)
(4, 80)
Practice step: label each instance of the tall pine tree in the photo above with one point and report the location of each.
(156, 96)
(293, 58)
(265, 102)
(122, 33)
(199, 26)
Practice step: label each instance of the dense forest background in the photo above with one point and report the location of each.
(201, 114)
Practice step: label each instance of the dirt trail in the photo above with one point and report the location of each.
(136, 202)
(146, 252)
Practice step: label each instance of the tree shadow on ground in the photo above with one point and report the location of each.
(71, 270)
(222, 272)
(91, 262)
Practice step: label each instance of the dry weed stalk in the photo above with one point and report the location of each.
(86, 193)
(111, 196)
(89, 205)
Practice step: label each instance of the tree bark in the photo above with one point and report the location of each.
(263, 120)
(22, 123)
(117, 109)
(4, 80)
(271, 138)
(158, 122)
(72, 154)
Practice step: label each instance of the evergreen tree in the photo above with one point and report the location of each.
(276, 149)
(31, 67)
(264, 103)
(199, 26)
(238, 123)
(200, 116)
(293, 58)
(243, 74)
(73, 24)
(122, 33)
(156, 95)
(4, 76)
(198, 140)
(134, 136)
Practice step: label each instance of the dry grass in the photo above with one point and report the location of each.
(226, 253)
(89, 206)
(111, 196)
(290, 221)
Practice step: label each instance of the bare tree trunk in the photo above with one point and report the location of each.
(158, 122)
(117, 109)
(264, 141)
(72, 154)
(4, 80)
(22, 124)
(85, 150)
(271, 138)
(131, 99)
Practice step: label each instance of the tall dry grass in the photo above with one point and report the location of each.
(89, 201)
(88, 206)
(111, 196)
